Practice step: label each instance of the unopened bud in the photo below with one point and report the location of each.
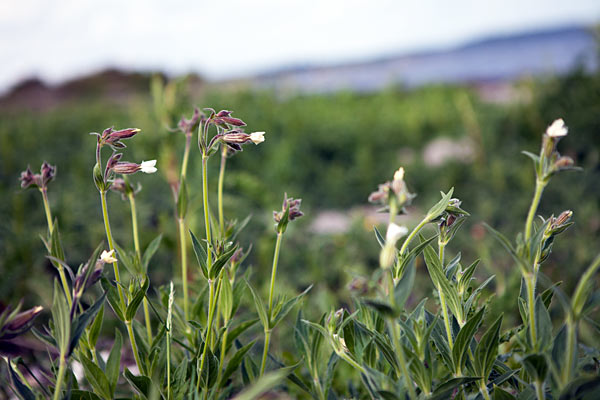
(563, 163)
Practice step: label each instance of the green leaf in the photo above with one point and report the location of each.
(383, 308)
(543, 324)
(220, 262)
(317, 327)
(84, 395)
(439, 279)
(501, 394)
(113, 298)
(408, 258)
(583, 388)
(440, 206)
(142, 384)
(534, 157)
(287, 307)
(444, 390)
(201, 255)
(263, 384)
(82, 321)
(260, 307)
(238, 330)
(135, 302)
(379, 237)
(96, 378)
(21, 388)
(464, 338)
(404, 287)
(56, 249)
(61, 319)
(487, 349)
(114, 361)
(226, 298)
(150, 251)
(96, 327)
(235, 362)
(536, 366)
(128, 260)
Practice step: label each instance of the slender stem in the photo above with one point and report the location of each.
(60, 377)
(206, 210)
(446, 316)
(168, 364)
(413, 234)
(111, 246)
(263, 364)
(396, 340)
(274, 272)
(47, 210)
(136, 242)
(353, 363)
(484, 391)
(134, 346)
(59, 267)
(223, 351)
(211, 312)
(567, 371)
(184, 274)
(539, 188)
(530, 282)
(539, 390)
(271, 296)
(220, 189)
(118, 278)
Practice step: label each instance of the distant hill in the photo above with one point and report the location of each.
(495, 59)
(490, 64)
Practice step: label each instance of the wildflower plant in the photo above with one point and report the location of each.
(202, 338)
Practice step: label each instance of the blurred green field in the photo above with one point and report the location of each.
(331, 150)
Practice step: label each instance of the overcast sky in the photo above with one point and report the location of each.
(57, 40)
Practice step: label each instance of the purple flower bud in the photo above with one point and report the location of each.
(224, 118)
(294, 211)
(48, 172)
(126, 168)
(28, 178)
(236, 137)
(188, 125)
(122, 134)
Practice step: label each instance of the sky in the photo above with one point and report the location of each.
(59, 40)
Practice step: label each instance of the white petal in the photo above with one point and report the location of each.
(148, 167)
(257, 137)
(399, 175)
(557, 129)
(395, 232)
(108, 257)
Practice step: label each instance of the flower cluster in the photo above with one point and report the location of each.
(290, 210)
(393, 193)
(29, 179)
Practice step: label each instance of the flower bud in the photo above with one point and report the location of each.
(187, 125)
(224, 118)
(48, 172)
(125, 168)
(236, 137)
(563, 162)
(289, 212)
(28, 179)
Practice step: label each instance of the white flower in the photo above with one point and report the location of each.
(257, 137)
(557, 129)
(399, 175)
(395, 232)
(108, 257)
(148, 167)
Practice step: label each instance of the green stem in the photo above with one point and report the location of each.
(134, 346)
(413, 234)
(274, 272)
(353, 363)
(571, 345)
(530, 282)
(61, 270)
(484, 392)
(184, 274)
(263, 364)
(220, 189)
(539, 188)
(60, 377)
(206, 210)
(223, 350)
(138, 252)
(396, 340)
(539, 390)
(207, 337)
(446, 317)
(111, 246)
(169, 364)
